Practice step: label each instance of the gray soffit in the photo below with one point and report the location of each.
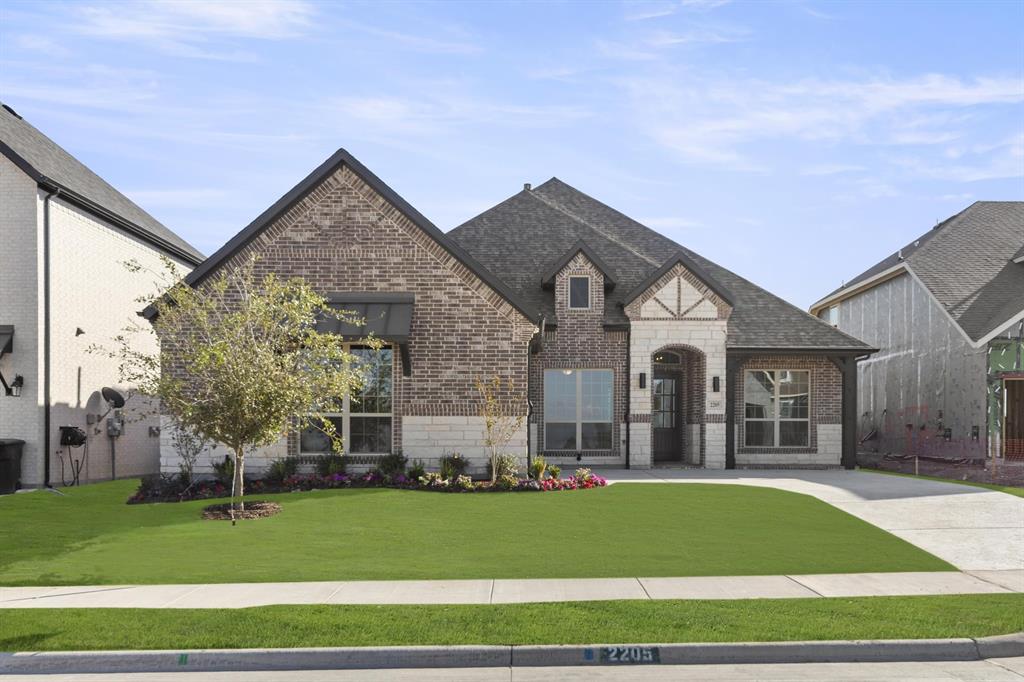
(53, 168)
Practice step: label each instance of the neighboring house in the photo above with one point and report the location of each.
(634, 350)
(947, 312)
(64, 234)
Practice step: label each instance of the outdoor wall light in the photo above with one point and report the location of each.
(13, 389)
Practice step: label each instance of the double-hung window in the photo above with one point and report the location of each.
(578, 409)
(361, 420)
(776, 408)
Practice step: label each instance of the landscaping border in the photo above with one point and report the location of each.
(356, 658)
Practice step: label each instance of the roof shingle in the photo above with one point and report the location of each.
(517, 238)
(45, 160)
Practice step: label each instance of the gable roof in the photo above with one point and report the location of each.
(680, 258)
(309, 183)
(52, 167)
(548, 279)
(968, 263)
(516, 237)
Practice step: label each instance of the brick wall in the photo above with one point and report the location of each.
(344, 237)
(580, 341)
(825, 429)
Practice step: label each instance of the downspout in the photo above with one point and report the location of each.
(46, 335)
(629, 387)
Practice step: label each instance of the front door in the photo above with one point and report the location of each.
(665, 413)
(1013, 447)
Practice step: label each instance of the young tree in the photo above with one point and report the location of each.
(241, 361)
(501, 418)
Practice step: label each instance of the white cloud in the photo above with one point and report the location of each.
(37, 43)
(830, 169)
(708, 35)
(670, 223)
(717, 121)
(186, 29)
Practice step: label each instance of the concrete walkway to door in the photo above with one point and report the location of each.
(974, 529)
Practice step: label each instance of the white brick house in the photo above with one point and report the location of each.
(65, 234)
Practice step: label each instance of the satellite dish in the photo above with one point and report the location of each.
(113, 398)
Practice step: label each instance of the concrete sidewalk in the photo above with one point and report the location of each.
(974, 529)
(241, 595)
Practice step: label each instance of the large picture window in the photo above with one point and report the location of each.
(578, 409)
(776, 408)
(363, 420)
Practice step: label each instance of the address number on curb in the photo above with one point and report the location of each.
(630, 655)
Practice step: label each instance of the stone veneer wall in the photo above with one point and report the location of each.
(580, 341)
(344, 237)
(826, 429)
(678, 312)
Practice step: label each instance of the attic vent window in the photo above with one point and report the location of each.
(579, 292)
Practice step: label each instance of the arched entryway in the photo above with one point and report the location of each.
(678, 395)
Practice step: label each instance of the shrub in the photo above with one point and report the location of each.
(329, 465)
(391, 465)
(417, 470)
(453, 465)
(434, 480)
(224, 471)
(554, 471)
(280, 469)
(505, 481)
(463, 482)
(506, 465)
(537, 468)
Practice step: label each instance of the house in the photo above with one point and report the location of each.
(947, 312)
(634, 351)
(65, 234)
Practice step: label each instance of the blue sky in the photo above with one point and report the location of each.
(795, 143)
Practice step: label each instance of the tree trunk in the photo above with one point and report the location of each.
(238, 484)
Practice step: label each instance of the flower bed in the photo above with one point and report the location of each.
(167, 489)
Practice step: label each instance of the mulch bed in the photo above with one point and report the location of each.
(253, 510)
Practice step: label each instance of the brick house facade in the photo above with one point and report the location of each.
(632, 349)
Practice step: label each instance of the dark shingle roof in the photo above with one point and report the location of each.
(520, 236)
(49, 164)
(967, 263)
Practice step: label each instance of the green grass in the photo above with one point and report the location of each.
(567, 623)
(89, 536)
(1009, 489)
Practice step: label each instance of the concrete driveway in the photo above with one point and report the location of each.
(974, 529)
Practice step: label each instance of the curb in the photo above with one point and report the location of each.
(354, 658)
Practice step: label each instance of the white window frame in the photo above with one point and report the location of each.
(346, 412)
(580, 421)
(777, 419)
(568, 293)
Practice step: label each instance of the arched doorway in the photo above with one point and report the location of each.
(677, 406)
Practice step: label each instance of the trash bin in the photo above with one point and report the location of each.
(10, 464)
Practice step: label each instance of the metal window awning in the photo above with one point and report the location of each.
(383, 315)
(6, 339)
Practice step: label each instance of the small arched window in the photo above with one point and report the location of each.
(667, 357)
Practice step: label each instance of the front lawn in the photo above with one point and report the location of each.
(568, 623)
(90, 536)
